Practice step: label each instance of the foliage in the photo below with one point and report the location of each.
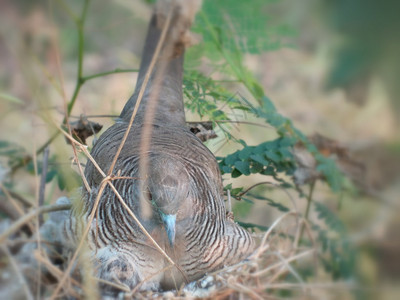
(202, 96)
(338, 255)
(272, 203)
(11, 152)
(267, 158)
(15, 155)
(230, 62)
(243, 27)
(224, 44)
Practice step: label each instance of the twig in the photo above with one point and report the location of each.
(18, 209)
(287, 285)
(252, 187)
(309, 200)
(113, 284)
(229, 201)
(29, 216)
(132, 292)
(227, 80)
(18, 197)
(273, 184)
(17, 270)
(84, 150)
(81, 42)
(290, 259)
(42, 185)
(115, 71)
(39, 218)
(266, 235)
(8, 209)
(16, 206)
(244, 122)
(288, 268)
(68, 108)
(83, 238)
(94, 116)
(56, 272)
(248, 290)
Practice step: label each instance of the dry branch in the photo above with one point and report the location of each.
(29, 216)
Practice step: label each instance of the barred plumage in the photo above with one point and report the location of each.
(182, 180)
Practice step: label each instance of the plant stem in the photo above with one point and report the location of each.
(42, 185)
(309, 200)
(81, 43)
(115, 71)
(29, 216)
(79, 21)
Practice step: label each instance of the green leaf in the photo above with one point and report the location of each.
(61, 181)
(245, 153)
(267, 105)
(231, 159)
(287, 141)
(260, 159)
(235, 173)
(256, 167)
(286, 154)
(226, 169)
(248, 200)
(228, 187)
(271, 202)
(252, 226)
(50, 175)
(236, 191)
(243, 167)
(4, 144)
(242, 209)
(10, 98)
(269, 171)
(325, 214)
(272, 156)
(330, 171)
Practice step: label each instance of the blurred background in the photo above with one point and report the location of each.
(332, 67)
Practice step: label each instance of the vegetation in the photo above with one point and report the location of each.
(218, 88)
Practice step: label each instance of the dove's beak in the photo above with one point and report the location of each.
(169, 223)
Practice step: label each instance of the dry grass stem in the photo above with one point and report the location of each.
(113, 284)
(279, 264)
(16, 206)
(56, 272)
(83, 239)
(29, 216)
(17, 270)
(261, 249)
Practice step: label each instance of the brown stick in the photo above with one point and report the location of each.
(42, 185)
(29, 216)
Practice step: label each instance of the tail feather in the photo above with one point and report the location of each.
(165, 84)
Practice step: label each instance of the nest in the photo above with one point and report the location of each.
(269, 273)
